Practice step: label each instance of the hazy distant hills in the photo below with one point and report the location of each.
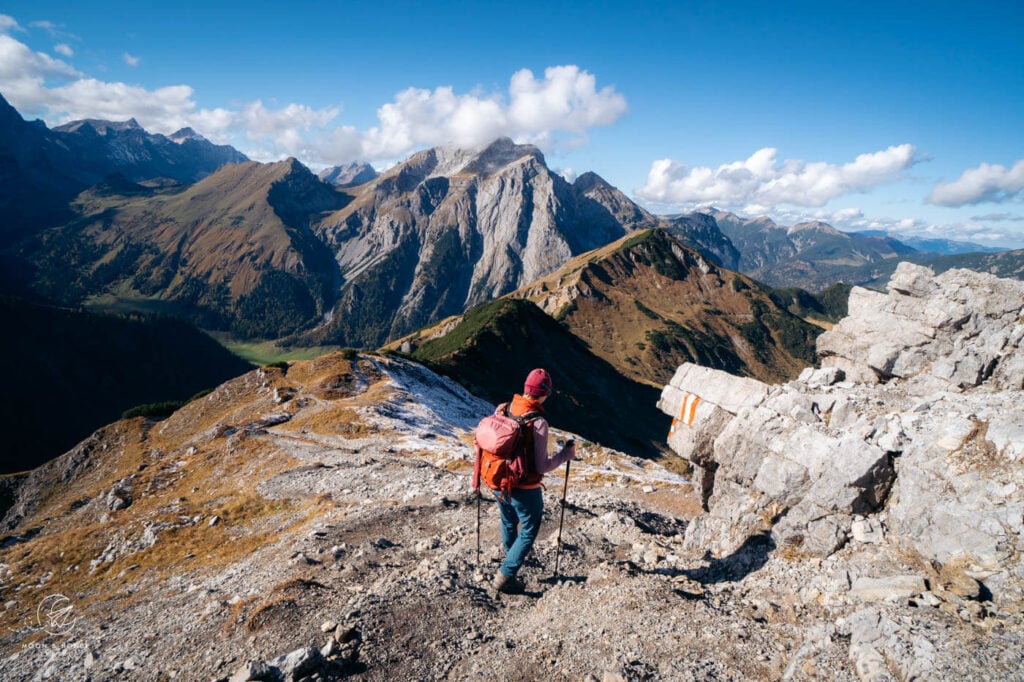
(1000, 264)
(70, 371)
(941, 247)
(809, 255)
(41, 170)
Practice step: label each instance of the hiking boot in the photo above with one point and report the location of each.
(505, 585)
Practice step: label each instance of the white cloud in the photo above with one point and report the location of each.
(48, 26)
(763, 182)
(131, 60)
(986, 183)
(8, 24)
(566, 100)
(556, 109)
(999, 218)
(163, 110)
(64, 49)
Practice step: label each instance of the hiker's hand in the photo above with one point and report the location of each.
(570, 447)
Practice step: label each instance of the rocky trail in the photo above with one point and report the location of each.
(315, 522)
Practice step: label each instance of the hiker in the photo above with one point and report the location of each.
(522, 506)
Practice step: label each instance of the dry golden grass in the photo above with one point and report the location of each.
(332, 421)
(218, 480)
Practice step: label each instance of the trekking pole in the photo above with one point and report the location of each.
(478, 496)
(561, 518)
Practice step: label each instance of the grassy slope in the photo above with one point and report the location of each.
(646, 304)
(496, 345)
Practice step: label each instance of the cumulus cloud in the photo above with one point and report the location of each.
(64, 49)
(761, 181)
(565, 101)
(986, 183)
(557, 108)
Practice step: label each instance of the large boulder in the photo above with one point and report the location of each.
(961, 327)
(913, 427)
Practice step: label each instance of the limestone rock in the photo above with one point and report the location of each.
(917, 413)
(297, 664)
(891, 587)
(252, 671)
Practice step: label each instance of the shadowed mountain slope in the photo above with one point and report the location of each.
(69, 372)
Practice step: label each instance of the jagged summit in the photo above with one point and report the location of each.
(350, 175)
(184, 134)
(99, 126)
(500, 153)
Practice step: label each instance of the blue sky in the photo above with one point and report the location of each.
(902, 116)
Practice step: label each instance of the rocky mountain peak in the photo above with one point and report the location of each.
(452, 228)
(500, 153)
(590, 180)
(99, 126)
(814, 225)
(349, 175)
(184, 134)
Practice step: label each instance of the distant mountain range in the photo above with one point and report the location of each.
(41, 169)
(350, 258)
(941, 247)
(810, 255)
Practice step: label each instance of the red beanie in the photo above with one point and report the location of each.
(538, 383)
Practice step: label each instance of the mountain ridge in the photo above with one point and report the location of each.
(44, 168)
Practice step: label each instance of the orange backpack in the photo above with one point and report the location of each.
(503, 450)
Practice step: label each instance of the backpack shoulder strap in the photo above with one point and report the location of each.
(529, 417)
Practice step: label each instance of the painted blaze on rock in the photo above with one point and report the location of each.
(914, 423)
